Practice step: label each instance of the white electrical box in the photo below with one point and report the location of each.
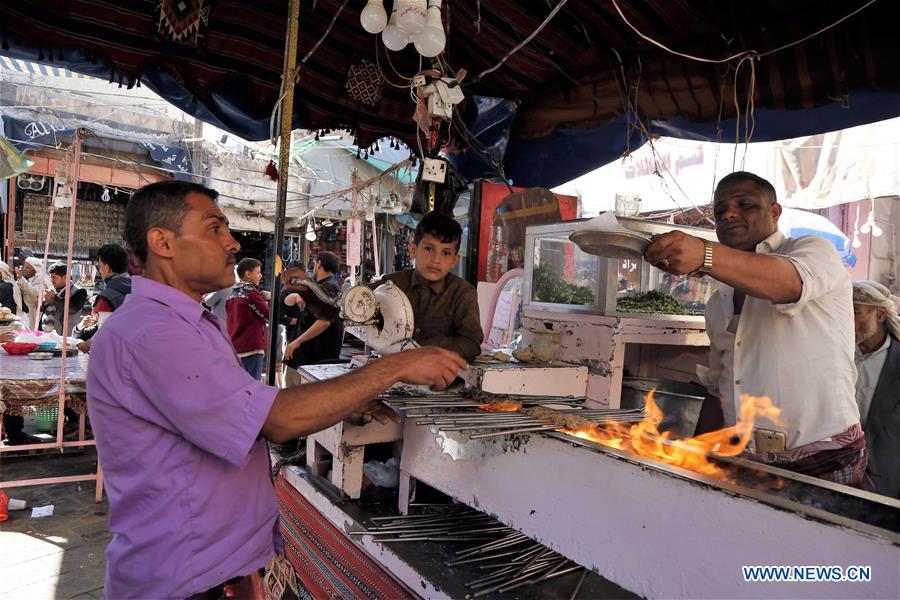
(435, 170)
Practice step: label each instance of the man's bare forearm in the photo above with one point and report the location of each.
(307, 408)
(314, 330)
(772, 278)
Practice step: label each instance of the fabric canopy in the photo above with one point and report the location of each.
(580, 88)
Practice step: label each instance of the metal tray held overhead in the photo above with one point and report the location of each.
(611, 244)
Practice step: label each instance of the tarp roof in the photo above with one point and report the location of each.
(578, 86)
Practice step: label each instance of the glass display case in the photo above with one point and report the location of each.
(559, 276)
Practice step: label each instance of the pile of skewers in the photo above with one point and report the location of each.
(508, 415)
(510, 559)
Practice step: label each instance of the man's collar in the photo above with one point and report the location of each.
(187, 308)
(771, 243)
(436, 286)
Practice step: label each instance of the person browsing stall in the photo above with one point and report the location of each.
(445, 307)
(59, 299)
(248, 316)
(315, 340)
(779, 325)
(10, 293)
(33, 281)
(878, 381)
(112, 264)
(181, 427)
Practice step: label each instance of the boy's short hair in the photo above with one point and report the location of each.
(114, 256)
(246, 265)
(441, 226)
(58, 269)
(330, 261)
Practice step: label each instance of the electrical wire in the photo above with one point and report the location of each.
(523, 43)
(745, 53)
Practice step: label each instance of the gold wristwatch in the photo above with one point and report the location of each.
(706, 267)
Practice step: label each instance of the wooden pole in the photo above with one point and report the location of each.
(10, 222)
(76, 171)
(284, 157)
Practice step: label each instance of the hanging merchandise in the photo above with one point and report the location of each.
(272, 171)
(354, 242)
(401, 250)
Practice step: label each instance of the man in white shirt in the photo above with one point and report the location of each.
(878, 381)
(779, 326)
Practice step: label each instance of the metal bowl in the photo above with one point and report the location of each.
(612, 244)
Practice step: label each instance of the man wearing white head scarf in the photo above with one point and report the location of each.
(33, 281)
(10, 294)
(878, 381)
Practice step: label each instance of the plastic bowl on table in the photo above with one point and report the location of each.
(47, 346)
(19, 348)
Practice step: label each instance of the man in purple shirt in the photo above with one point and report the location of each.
(179, 424)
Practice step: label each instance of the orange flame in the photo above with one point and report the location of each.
(644, 438)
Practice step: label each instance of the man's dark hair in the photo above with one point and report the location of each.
(160, 204)
(114, 256)
(245, 265)
(761, 183)
(295, 264)
(330, 261)
(441, 226)
(58, 269)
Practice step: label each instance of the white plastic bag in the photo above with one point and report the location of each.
(383, 474)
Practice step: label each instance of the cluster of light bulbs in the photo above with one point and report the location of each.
(418, 21)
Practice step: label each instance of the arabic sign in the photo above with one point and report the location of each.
(36, 134)
(647, 165)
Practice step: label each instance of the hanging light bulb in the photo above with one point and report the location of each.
(876, 230)
(431, 40)
(856, 243)
(393, 37)
(310, 230)
(411, 15)
(870, 220)
(105, 195)
(373, 17)
(327, 222)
